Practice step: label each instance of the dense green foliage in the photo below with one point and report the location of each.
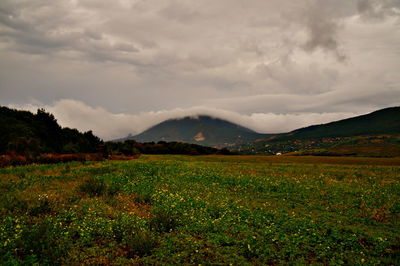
(216, 132)
(32, 134)
(202, 210)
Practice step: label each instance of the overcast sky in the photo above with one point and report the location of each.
(120, 66)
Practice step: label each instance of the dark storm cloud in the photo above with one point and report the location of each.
(378, 9)
(280, 64)
(46, 28)
(323, 31)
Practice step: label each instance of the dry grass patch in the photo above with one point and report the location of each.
(126, 203)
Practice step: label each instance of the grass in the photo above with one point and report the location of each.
(203, 210)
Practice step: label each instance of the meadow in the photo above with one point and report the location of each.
(165, 209)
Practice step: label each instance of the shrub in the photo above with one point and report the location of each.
(139, 244)
(60, 158)
(163, 221)
(12, 159)
(64, 158)
(13, 204)
(114, 188)
(132, 232)
(43, 242)
(93, 186)
(144, 196)
(42, 207)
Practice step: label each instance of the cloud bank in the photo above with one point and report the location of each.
(107, 125)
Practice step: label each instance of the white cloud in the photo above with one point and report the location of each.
(107, 125)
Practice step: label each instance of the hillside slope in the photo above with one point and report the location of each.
(384, 121)
(376, 134)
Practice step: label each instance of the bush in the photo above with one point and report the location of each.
(42, 207)
(132, 232)
(97, 186)
(144, 193)
(14, 204)
(60, 158)
(139, 244)
(12, 159)
(43, 242)
(114, 188)
(163, 222)
(93, 186)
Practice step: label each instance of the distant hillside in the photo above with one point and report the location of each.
(376, 134)
(203, 130)
(384, 121)
(208, 131)
(31, 134)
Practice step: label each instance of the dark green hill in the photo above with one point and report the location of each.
(375, 134)
(384, 121)
(29, 134)
(203, 130)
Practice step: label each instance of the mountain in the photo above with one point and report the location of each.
(203, 130)
(373, 134)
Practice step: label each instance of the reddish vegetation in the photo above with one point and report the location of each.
(124, 157)
(126, 203)
(14, 159)
(346, 160)
(63, 158)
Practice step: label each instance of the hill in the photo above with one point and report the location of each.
(376, 134)
(384, 121)
(203, 130)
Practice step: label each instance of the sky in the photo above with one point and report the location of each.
(119, 67)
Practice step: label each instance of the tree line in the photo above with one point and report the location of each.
(131, 147)
(27, 137)
(31, 134)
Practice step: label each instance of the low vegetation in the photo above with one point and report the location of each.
(174, 209)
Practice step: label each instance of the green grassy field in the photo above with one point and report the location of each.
(203, 210)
